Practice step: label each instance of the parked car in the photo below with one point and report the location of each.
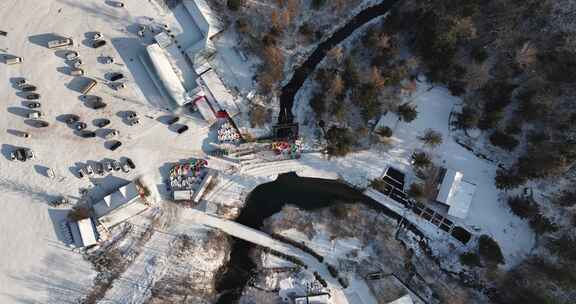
(131, 115)
(50, 173)
(130, 163)
(107, 166)
(116, 3)
(22, 134)
(101, 123)
(80, 173)
(33, 96)
(87, 134)
(116, 76)
(98, 43)
(29, 154)
(134, 121)
(72, 55)
(72, 118)
(118, 85)
(39, 123)
(115, 145)
(80, 126)
(182, 129)
(173, 120)
(125, 168)
(89, 170)
(20, 82)
(77, 72)
(18, 154)
(113, 133)
(97, 35)
(97, 105)
(33, 104)
(35, 114)
(61, 201)
(28, 88)
(99, 169)
(13, 60)
(116, 165)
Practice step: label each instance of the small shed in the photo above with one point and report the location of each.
(457, 193)
(182, 195)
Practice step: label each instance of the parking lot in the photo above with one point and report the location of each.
(27, 223)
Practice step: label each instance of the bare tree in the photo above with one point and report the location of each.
(477, 75)
(526, 56)
(336, 54)
(336, 85)
(376, 78)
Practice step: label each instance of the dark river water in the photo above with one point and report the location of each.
(268, 199)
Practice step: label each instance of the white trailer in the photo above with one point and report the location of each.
(14, 60)
(203, 187)
(206, 109)
(182, 195)
(59, 43)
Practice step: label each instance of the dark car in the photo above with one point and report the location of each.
(182, 129)
(173, 120)
(33, 96)
(28, 88)
(96, 105)
(116, 165)
(80, 126)
(131, 115)
(98, 43)
(19, 154)
(115, 145)
(72, 118)
(130, 163)
(101, 123)
(87, 134)
(116, 76)
(79, 173)
(39, 123)
(33, 105)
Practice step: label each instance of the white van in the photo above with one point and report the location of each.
(14, 60)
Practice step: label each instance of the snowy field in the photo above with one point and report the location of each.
(35, 266)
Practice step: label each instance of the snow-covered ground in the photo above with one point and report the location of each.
(35, 266)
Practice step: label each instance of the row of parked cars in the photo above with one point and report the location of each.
(106, 166)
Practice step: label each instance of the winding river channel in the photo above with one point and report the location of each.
(306, 193)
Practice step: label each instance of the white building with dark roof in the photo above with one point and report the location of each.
(456, 193)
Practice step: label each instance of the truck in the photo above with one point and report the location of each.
(90, 84)
(13, 60)
(60, 43)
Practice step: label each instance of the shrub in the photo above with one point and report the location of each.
(522, 207)
(234, 5)
(407, 112)
(259, 116)
(490, 250)
(470, 259)
(78, 213)
(431, 138)
(384, 132)
(420, 160)
(317, 4)
(467, 119)
(541, 224)
(503, 140)
(490, 120)
(508, 180)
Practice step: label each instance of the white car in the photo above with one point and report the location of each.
(113, 133)
(34, 115)
(89, 170)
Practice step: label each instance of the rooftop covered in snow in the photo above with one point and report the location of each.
(456, 193)
(119, 205)
(87, 234)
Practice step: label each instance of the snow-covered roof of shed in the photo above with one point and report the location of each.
(218, 93)
(165, 73)
(205, 18)
(86, 232)
(456, 193)
(124, 195)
